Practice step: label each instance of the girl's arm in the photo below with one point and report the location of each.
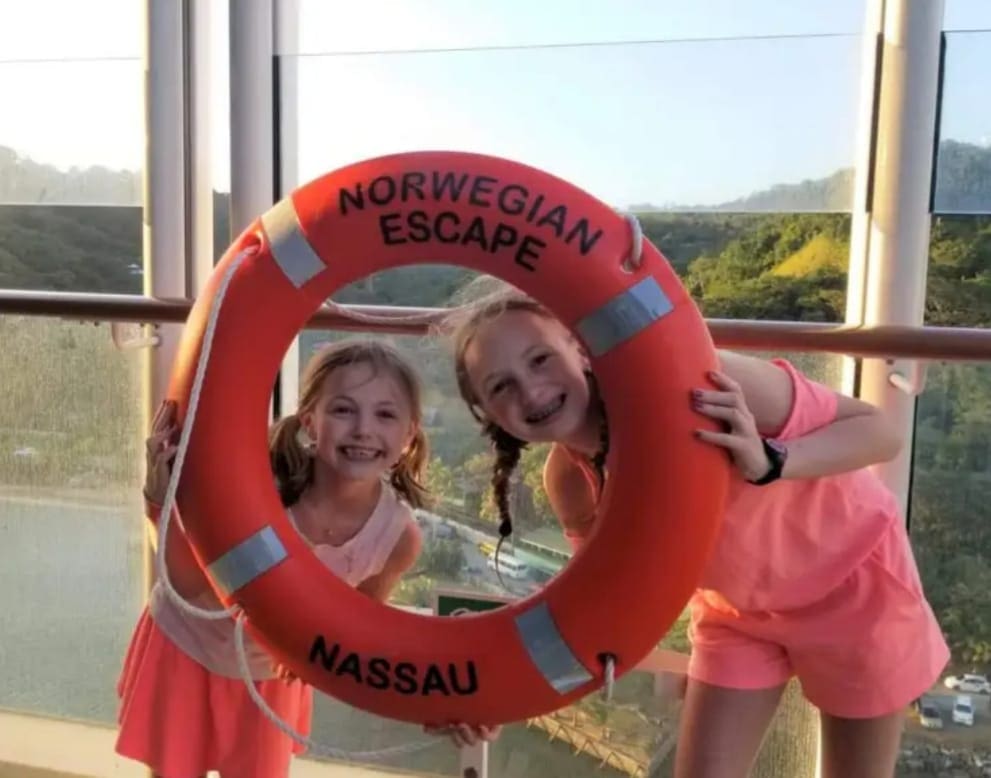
(754, 398)
(403, 557)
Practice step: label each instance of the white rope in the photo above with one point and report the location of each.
(421, 318)
(311, 746)
(632, 260)
(187, 428)
(234, 611)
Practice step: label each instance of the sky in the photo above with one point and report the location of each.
(689, 103)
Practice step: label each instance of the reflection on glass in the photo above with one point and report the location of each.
(716, 136)
(70, 516)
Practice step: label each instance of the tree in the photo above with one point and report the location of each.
(532, 468)
(440, 480)
(416, 591)
(442, 558)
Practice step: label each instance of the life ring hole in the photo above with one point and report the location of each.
(461, 553)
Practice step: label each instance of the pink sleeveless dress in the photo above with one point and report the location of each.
(184, 709)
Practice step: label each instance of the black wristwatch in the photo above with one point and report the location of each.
(777, 453)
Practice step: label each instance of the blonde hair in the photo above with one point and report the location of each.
(291, 464)
(461, 326)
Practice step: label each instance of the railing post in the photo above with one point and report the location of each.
(198, 157)
(164, 231)
(163, 217)
(252, 111)
(287, 163)
(898, 248)
(860, 211)
(253, 172)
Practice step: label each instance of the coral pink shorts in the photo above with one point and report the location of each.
(867, 649)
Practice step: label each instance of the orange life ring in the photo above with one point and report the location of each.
(649, 347)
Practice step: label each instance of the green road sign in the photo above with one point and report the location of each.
(454, 602)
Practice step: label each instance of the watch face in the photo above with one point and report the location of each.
(779, 448)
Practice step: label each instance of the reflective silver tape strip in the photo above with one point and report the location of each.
(292, 251)
(247, 560)
(624, 316)
(548, 651)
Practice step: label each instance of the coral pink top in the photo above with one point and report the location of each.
(786, 544)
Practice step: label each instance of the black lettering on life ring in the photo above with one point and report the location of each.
(404, 678)
(405, 682)
(378, 673)
(418, 226)
(479, 191)
(351, 665)
(413, 182)
(481, 185)
(448, 183)
(433, 680)
(512, 199)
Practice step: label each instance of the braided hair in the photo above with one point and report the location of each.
(507, 448)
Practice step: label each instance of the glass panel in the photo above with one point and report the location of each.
(963, 163)
(71, 248)
(70, 515)
(385, 25)
(711, 139)
(951, 535)
(97, 161)
(950, 520)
